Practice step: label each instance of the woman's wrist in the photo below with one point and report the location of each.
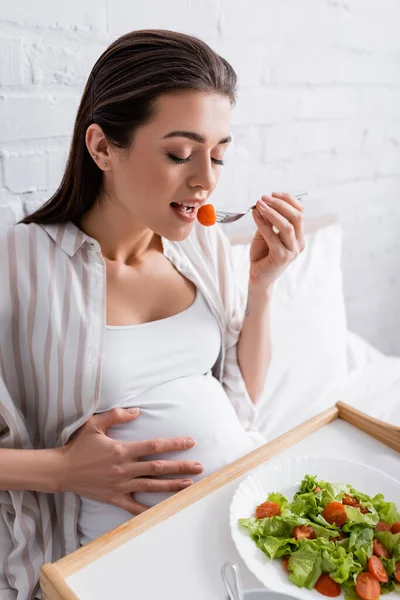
(258, 298)
(35, 470)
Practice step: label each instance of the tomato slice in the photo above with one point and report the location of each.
(268, 509)
(376, 568)
(327, 586)
(382, 526)
(303, 532)
(367, 587)
(335, 513)
(395, 527)
(381, 550)
(350, 500)
(363, 510)
(397, 572)
(286, 562)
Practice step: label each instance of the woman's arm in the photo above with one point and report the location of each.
(95, 466)
(279, 239)
(254, 345)
(35, 470)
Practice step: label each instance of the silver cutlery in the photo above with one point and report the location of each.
(231, 578)
(229, 217)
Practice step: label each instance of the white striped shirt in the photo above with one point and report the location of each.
(52, 320)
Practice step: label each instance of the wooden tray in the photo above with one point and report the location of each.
(53, 575)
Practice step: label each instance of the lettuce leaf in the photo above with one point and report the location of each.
(305, 568)
(391, 586)
(309, 483)
(354, 515)
(387, 511)
(277, 547)
(390, 540)
(279, 499)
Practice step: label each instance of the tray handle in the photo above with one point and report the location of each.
(384, 432)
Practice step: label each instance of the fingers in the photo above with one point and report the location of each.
(129, 504)
(158, 446)
(289, 199)
(287, 231)
(267, 232)
(283, 202)
(151, 486)
(111, 417)
(155, 468)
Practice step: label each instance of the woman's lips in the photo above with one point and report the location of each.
(188, 215)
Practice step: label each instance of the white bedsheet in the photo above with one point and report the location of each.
(373, 382)
(372, 385)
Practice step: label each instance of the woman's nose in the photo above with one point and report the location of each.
(204, 176)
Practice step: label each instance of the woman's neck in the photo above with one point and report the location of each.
(120, 239)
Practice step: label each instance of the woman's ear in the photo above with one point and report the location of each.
(97, 146)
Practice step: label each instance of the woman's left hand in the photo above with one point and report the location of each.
(270, 252)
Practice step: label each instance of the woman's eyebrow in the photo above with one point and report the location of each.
(196, 137)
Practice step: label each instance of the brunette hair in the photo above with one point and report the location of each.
(119, 96)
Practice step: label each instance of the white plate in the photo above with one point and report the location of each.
(285, 475)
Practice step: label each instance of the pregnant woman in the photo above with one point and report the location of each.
(129, 362)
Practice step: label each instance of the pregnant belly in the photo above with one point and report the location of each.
(190, 406)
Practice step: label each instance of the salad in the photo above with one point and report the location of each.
(331, 537)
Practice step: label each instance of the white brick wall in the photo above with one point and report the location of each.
(318, 108)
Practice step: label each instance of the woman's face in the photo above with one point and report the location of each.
(174, 159)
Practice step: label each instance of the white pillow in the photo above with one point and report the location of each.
(308, 332)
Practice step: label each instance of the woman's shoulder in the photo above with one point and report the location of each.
(21, 238)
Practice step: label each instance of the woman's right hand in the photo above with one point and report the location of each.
(100, 468)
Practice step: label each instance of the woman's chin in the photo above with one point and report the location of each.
(177, 234)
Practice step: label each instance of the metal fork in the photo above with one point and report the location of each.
(228, 217)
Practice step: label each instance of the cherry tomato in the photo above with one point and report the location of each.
(317, 489)
(376, 568)
(395, 527)
(382, 526)
(397, 572)
(350, 500)
(206, 215)
(303, 532)
(286, 562)
(367, 587)
(327, 586)
(268, 509)
(381, 550)
(335, 513)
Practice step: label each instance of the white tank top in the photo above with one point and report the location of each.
(164, 368)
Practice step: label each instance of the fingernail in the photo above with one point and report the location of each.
(133, 411)
(186, 483)
(189, 443)
(196, 468)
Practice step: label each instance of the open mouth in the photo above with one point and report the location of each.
(183, 207)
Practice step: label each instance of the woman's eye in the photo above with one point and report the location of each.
(178, 160)
(181, 161)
